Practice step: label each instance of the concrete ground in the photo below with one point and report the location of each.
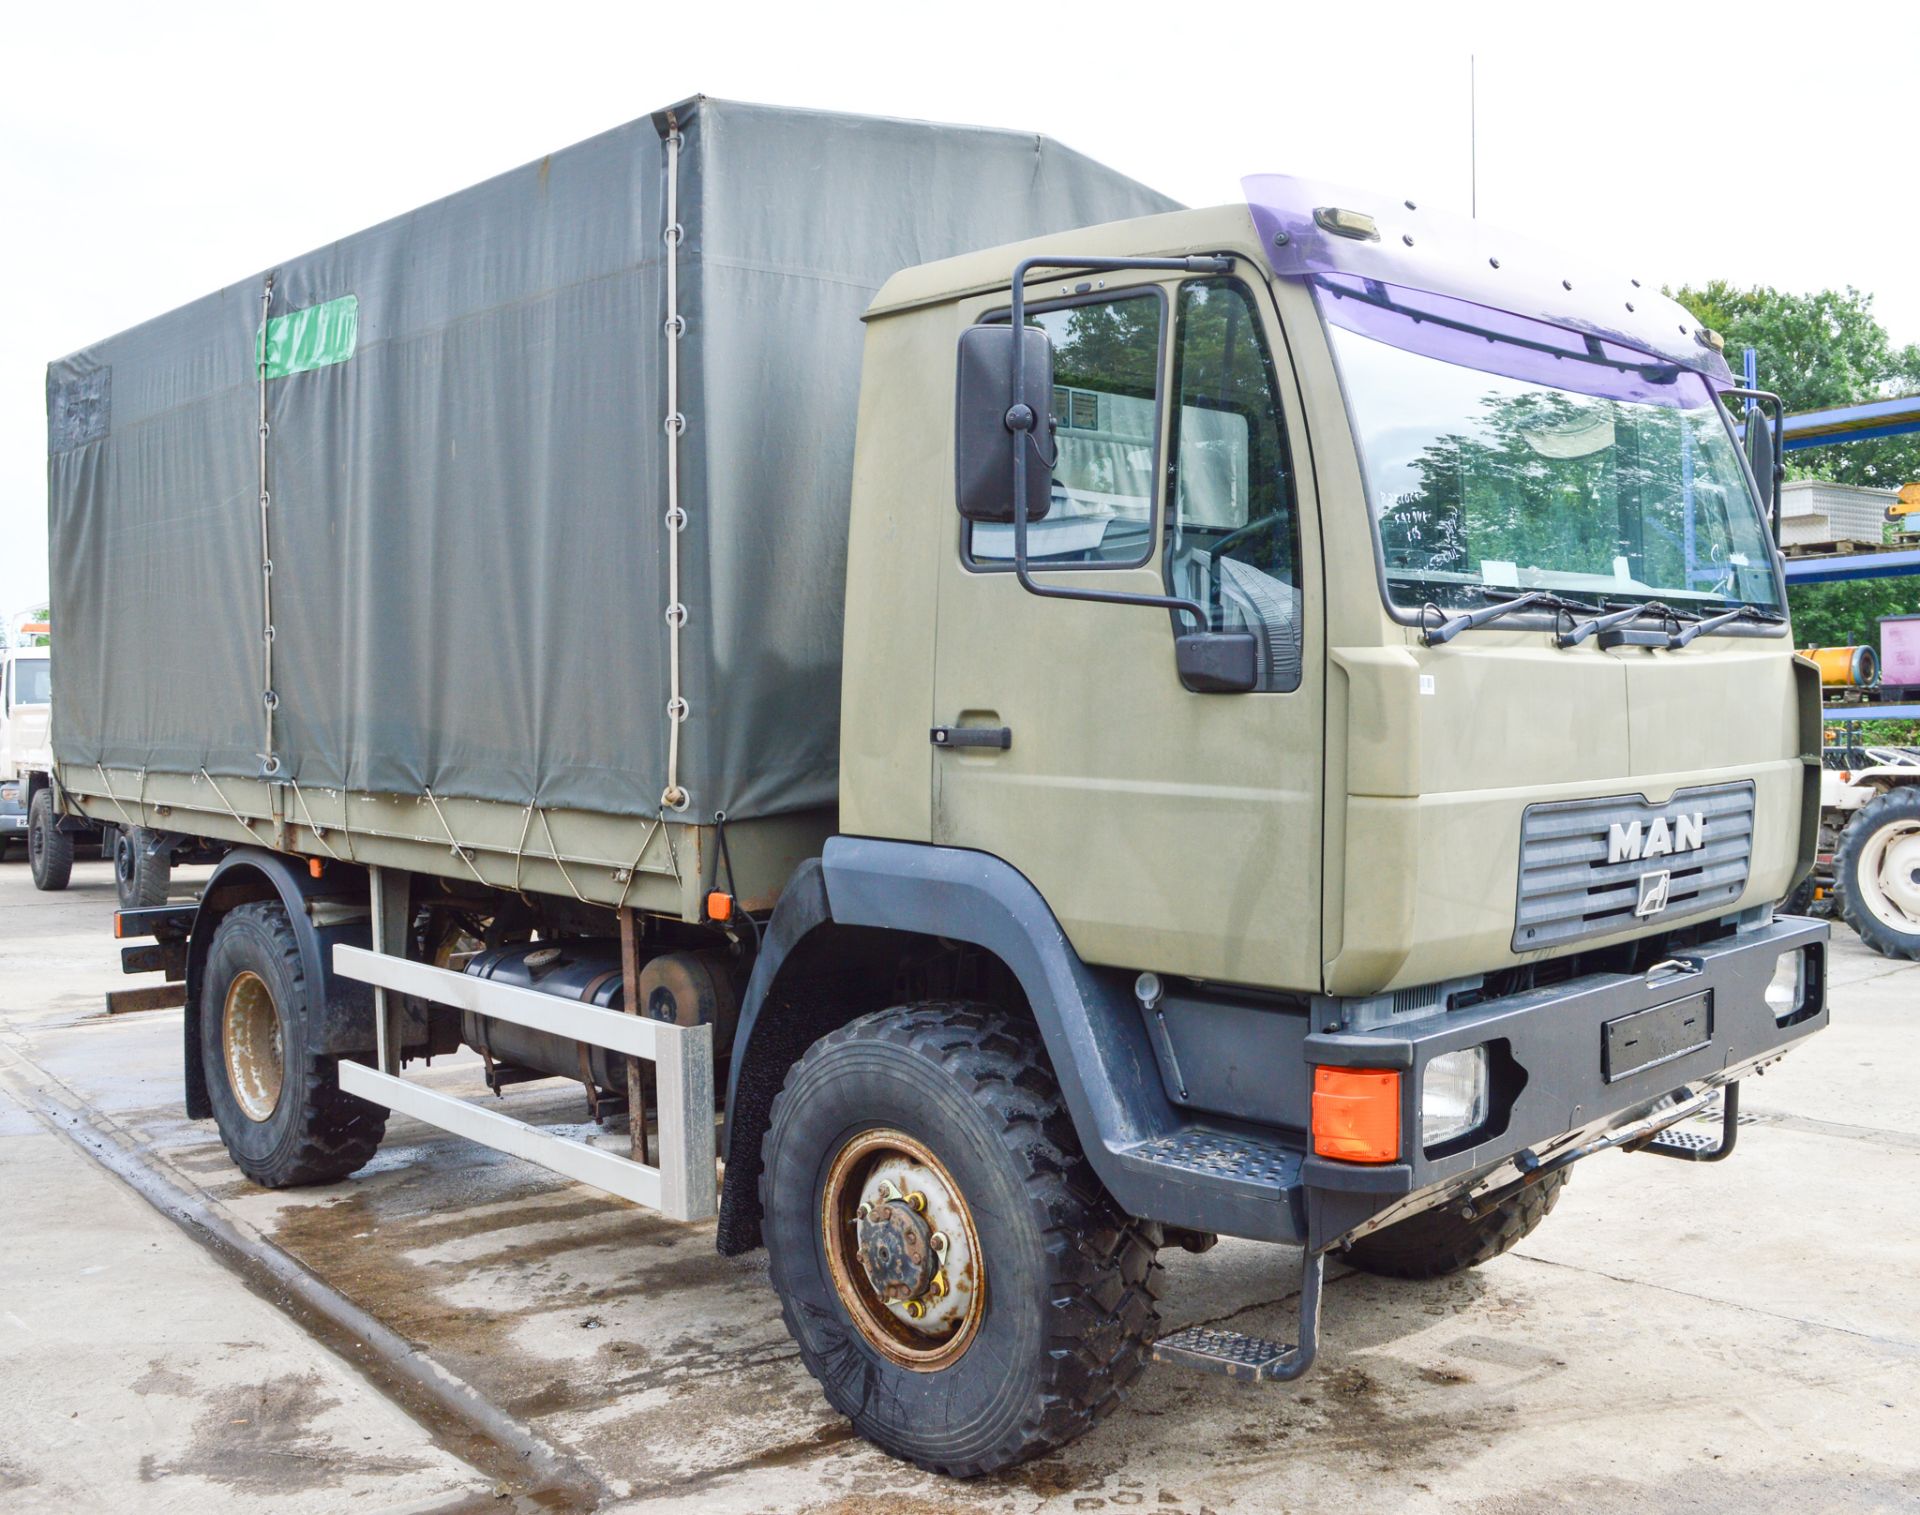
(1742, 1337)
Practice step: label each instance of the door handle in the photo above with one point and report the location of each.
(1000, 737)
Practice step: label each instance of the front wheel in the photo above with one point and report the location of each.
(1437, 1243)
(49, 849)
(956, 1277)
(1878, 872)
(279, 1106)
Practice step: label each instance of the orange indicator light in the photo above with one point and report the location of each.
(1356, 1114)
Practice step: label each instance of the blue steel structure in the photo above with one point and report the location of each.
(1852, 423)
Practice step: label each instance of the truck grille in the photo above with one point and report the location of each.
(1569, 891)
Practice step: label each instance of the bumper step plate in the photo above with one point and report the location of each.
(1701, 1146)
(1248, 1359)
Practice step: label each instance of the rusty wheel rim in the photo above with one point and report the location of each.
(250, 1038)
(932, 1328)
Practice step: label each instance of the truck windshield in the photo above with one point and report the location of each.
(33, 681)
(1502, 452)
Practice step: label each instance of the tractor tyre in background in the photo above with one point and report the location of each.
(1877, 873)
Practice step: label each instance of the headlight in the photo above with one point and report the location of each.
(1787, 989)
(1453, 1095)
(10, 793)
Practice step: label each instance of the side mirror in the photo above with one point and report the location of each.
(1217, 662)
(983, 442)
(1760, 457)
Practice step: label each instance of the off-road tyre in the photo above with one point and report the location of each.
(49, 849)
(315, 1134)
(1438, 1243)
(140, 875)
(1070, 1281)
(1897, 807)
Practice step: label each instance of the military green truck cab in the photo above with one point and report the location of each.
(1465, 869)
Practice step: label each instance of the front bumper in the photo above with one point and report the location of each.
(1557, 1089)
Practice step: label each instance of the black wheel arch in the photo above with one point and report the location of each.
(248, 874)
(840, 933)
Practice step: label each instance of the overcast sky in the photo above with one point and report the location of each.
(151, 153)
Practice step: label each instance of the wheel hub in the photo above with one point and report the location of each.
(250, 1037)
(902, 1249)
(1889, 876)
(897, 1249)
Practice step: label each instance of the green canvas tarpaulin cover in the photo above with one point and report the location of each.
(467, 468)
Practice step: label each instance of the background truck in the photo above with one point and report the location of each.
(143, 857)
(29, 814)
(24, 750)
(1072, 726)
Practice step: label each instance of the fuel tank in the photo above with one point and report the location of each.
(683, 988)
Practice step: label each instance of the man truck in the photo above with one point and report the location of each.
(1031, 724)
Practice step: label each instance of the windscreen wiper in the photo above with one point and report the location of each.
(1715, 622)
(1622, 612)
(1503, 604)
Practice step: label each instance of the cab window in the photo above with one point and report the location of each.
(1106, 368)
(1233, 534)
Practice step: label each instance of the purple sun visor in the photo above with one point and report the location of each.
(1472, 293)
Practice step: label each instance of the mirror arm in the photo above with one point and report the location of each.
(1023, 420)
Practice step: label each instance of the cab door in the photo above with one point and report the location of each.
(1167, 829)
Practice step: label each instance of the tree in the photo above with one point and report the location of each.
(1819, 350)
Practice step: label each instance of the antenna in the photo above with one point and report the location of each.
(1473, 135)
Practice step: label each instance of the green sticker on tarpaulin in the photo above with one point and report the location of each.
(303, 340)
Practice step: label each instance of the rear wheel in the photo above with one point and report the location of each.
(1878, 872)
(958, 1280)
(49, 849)
(279, 1106)
(141, 869)
(1438, 1242)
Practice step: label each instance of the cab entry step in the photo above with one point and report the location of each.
(1247, 1359)
(1252, 1359)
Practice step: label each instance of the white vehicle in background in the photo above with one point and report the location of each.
(1869, 855)
(143, 858)
(25, 703)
